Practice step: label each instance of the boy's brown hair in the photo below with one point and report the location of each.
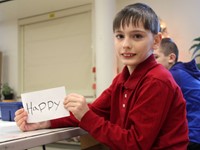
(167, 46)
(135, 14)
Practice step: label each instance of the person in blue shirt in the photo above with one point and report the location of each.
(187, 76)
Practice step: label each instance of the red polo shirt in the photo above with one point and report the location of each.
(142, 111)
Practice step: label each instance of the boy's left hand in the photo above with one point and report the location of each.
(76, 104)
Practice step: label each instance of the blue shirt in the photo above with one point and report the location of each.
(187, 76)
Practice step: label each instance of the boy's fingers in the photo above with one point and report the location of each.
(19, 121)
(19, 111)
(22, 126)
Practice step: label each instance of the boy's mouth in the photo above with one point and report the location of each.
(128, 54)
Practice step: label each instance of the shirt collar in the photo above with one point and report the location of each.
(130, 81)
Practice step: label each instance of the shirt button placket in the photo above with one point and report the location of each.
(125, 96)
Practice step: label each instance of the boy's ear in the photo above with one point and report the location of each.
(172, 58)
(157, 40)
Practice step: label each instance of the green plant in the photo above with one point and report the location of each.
(6, 90)
(196, 48)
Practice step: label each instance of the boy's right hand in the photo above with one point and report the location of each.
(21, 121)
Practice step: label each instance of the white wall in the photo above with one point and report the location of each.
(181, 17)
(9, 48)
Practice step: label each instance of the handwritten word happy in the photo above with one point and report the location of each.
(43, 106)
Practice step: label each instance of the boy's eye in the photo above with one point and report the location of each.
(137, 36)
(119, 36)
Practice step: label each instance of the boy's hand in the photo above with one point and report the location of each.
(21, 121)
(76, 104)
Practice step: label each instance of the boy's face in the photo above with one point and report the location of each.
(134, 45)
(161, 58)
(166, 60)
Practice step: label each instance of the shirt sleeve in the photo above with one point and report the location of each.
(146, 118)
(102, 108)
(70, 121)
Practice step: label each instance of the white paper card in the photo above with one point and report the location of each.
(44, 105)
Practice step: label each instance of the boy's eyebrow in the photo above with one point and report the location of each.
(138, 30)
(118, 32)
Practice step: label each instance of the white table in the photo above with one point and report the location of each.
(11, 138)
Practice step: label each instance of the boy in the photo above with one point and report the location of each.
(167, 53)
(187, 76)
(143, 108)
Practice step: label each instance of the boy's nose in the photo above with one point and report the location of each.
(126, 44)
